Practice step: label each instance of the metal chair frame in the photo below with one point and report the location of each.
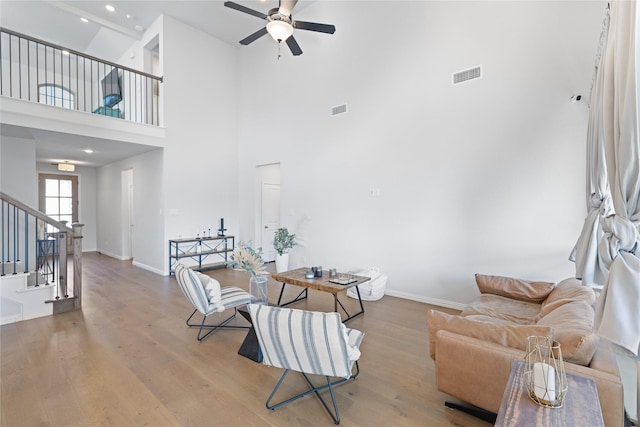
(335, 415)
(214, 328)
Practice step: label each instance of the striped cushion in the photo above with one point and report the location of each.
(305, 341)
(193, 289)
(232, 296)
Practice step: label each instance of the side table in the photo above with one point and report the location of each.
(250, 347)
(581, 406)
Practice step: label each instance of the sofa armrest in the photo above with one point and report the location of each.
(477, 372)
(473, 370)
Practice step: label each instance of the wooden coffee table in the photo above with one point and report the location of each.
(297, 277)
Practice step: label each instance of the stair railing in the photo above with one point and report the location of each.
(33, 243)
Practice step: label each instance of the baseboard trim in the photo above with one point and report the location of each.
(112, 255)
(432, 301)
(148, 268)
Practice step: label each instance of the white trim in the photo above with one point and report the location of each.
(109, 254)
(433, 301)
(148, 268)
(36, 288)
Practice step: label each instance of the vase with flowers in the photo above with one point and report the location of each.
(250, 260)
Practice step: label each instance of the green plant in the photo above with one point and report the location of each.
(283, 240)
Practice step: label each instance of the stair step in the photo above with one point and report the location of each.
(63, 305)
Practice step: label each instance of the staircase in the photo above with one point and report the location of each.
(34, 263)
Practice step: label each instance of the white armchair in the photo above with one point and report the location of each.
(207, 297)
(308, 342)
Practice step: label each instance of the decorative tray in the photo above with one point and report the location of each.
(343, 280)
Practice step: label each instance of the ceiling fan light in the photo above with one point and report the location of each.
(279, 30)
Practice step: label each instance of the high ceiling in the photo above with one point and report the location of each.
(108, 35)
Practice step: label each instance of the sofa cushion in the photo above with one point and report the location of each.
(504, 334)
(523, 290)
(572, 325)
(511, 310)
(566, 291)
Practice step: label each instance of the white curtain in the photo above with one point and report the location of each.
(589, 266)
(607, 253)
(608, 250)
(618, 308)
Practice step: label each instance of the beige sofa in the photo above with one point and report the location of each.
(474, 351)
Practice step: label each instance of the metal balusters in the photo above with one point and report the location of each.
(26, 242)
(41, 72)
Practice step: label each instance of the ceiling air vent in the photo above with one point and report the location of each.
(338, 109)
(463, 76)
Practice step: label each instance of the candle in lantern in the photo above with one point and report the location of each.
(544, 381)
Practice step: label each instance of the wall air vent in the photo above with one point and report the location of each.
(338, 109)
(466, 75)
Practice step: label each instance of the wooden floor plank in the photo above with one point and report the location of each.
(128, 359)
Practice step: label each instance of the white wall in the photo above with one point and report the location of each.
(200, 117)
(18, 169)
(17, 179)
(148, 218)
(486, 176)
(191, 184)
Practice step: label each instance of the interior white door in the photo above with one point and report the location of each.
(270, 219)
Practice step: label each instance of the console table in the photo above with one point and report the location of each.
(205, 253)
(581, 406)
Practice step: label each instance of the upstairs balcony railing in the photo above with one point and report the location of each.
(38, 71)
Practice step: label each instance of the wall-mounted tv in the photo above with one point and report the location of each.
(111, 90)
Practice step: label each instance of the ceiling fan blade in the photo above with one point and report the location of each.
(286, 7)
(314, 26)
(245, 9)
(253, 37)
(294, 46)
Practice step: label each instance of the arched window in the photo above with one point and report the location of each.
(55, 95)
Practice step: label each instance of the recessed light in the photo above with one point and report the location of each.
(65, 52)
(139, 28)
(88, 150)
(110, 8)
(85, 20)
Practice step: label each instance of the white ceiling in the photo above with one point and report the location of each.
(59, 21)
(108, 35)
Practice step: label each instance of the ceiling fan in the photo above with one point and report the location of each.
(280, 24)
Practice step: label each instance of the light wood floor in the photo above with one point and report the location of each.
(127, 359)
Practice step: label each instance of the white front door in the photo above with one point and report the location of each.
(270, 219)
